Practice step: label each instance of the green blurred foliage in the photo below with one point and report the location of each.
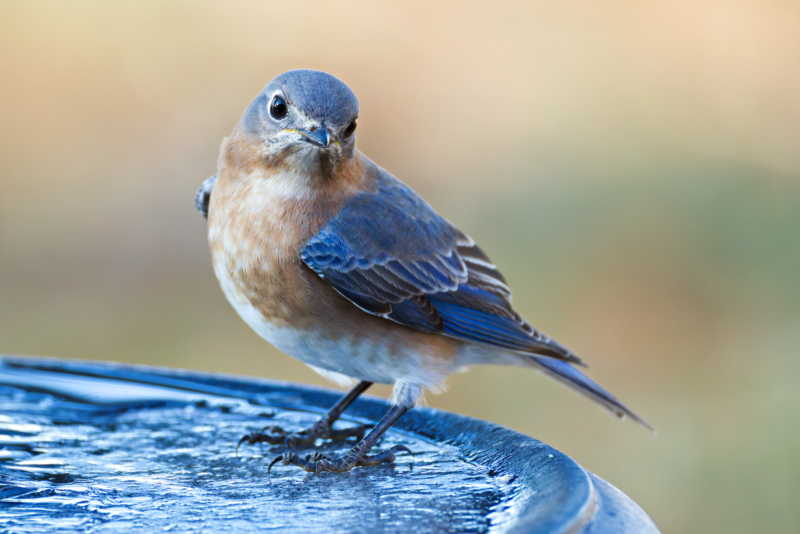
(634, 170)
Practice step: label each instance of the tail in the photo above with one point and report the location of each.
(577, 381)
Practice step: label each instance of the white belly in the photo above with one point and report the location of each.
(343, 359)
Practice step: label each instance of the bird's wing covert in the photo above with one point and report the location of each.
(203, 196)
(392, 255)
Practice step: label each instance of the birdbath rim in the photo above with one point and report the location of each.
(553, 493)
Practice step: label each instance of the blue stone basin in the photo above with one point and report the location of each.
(104, 447)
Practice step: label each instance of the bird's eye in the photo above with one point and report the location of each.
(278, 109)
(349, 130)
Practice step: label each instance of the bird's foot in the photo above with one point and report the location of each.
(357, 457)
(275, 435)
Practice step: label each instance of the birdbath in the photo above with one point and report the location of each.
(104, 447)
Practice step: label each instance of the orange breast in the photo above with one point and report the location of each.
(259, 219)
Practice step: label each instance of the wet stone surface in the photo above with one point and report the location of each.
(171, 466)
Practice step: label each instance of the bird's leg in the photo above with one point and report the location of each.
(275, 435)
(357, 456)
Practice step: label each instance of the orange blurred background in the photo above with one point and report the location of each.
(632, 167)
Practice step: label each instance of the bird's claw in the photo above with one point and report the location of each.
(319, 463)
(306, 464)
(275, 435)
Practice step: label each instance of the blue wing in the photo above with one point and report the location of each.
(390, 254)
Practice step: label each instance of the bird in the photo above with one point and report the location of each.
(337, 263)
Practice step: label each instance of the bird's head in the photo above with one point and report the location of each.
(306, 118)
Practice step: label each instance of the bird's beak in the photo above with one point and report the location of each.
(319, 137)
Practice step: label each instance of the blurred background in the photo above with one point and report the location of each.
(632, 167)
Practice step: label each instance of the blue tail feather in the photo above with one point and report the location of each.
(576, 380)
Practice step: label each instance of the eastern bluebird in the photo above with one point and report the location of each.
(336, 262)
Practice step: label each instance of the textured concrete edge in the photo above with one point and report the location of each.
(589, 504)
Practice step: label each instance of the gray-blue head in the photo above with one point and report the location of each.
(306, 113)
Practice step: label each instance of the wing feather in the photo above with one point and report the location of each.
(391, 255)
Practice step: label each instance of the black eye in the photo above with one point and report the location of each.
(278, 108)
(349, 130)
